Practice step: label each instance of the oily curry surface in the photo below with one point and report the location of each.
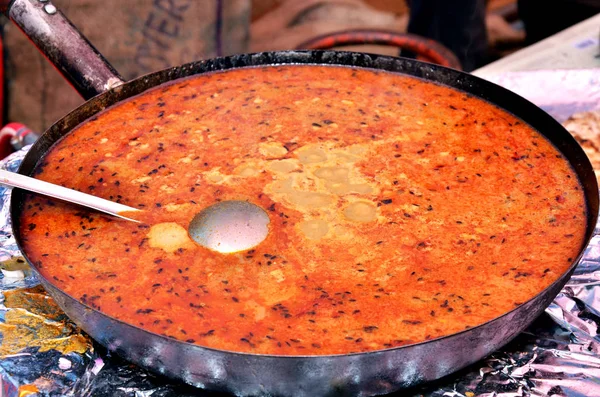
(400, 211)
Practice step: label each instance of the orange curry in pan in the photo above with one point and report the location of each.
(400, 211)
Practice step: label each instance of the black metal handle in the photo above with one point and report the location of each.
(59, 40)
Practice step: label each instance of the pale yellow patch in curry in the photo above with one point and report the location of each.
(172, 207)
(215, 176)
(314, 229)
(247, 170)
(311, 154)
(169, 236)
(283, 166)
(141, 179)
(260, 312)
(361, 211)
(272, 149)
(320, 180)
(291, 192)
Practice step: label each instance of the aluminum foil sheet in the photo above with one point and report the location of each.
(559, 355)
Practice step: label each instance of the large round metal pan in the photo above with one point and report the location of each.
(369, 373)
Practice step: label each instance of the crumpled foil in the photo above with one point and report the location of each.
(558, 355)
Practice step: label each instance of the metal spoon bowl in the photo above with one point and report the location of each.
(225, 227)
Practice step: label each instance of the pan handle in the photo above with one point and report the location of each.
(68, 50)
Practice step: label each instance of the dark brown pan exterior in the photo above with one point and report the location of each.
(369, 373)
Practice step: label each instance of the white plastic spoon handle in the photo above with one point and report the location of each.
(13, 179)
